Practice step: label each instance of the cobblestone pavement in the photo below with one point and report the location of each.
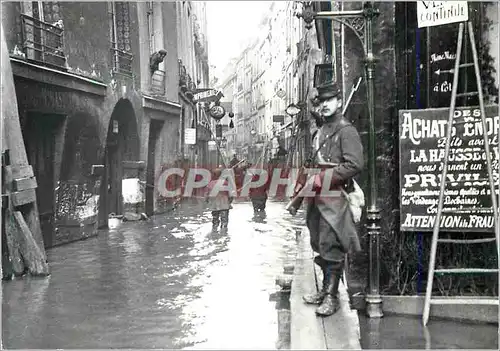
(169, 282)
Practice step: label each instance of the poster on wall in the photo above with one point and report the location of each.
(190, 136)
(422, 140)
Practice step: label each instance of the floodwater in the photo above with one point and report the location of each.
(407, 332)
(169, 282)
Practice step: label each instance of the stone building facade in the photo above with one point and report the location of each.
(266, 84)
(193, 74)
(97, 122)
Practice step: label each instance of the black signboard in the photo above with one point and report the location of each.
(442, 51)
(218, 131)
(278, 118)
(422, 135)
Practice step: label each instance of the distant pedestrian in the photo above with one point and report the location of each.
(258, 195)
(219, 202)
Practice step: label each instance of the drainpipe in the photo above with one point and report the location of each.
(182, 138)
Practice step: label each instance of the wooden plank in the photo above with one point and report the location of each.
(12, 235)
(21, 171)
(341, 329)
(306, 329)
(14, 141)
(23, 197)
(33, 255)
(25, 184)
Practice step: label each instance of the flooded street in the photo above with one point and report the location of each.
(407, 332)
(169, 282)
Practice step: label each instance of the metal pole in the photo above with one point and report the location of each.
(217, 146)
(368, 13)
(373, 298)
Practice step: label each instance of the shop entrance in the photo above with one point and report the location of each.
(122, 144)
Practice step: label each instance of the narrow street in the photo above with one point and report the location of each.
(165, 283)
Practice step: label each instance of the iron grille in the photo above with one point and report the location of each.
(158, 83)
(122, 61)
(43, 42)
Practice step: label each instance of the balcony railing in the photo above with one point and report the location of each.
(43, 42)
(122, 61)
(158, 83)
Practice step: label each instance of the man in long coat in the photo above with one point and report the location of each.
(338, 150)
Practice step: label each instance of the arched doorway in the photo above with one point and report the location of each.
(122, 144)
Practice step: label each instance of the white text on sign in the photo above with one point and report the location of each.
(436, 13)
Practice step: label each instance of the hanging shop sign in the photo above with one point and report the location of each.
(217, 112)
(422, 139)
(212, 145)
(437, 13)
(190, 136)
(278, 118)
(218, 131)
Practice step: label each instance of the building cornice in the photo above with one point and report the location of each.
(31, 71)
(149, 102)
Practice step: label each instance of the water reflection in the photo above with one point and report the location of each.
(407, 332)
(169, 282)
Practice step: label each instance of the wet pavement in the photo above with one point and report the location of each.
(169, 282)
(407, 332)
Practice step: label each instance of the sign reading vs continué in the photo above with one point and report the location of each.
(422, 135)
(436, 13)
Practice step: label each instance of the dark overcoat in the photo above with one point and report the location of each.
(346, 151)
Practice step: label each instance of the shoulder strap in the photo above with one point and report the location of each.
(342, 124)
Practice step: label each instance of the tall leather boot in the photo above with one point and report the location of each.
(331, 303)
(317, 298)
(215, 220)
(224, 216)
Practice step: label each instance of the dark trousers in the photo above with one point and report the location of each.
(324, 239)
(259, 202)
(221, 216)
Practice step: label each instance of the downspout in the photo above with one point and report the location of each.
(334, 49)
(182, 132)
(342, 55)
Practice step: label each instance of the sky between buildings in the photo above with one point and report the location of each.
(230, 24)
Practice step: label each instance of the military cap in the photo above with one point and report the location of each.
(327, 91)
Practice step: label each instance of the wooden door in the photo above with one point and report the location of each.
(40, 139)
(155, 127)
(114, 165)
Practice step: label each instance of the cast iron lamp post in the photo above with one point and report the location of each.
(292, 110)
(361, 23)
